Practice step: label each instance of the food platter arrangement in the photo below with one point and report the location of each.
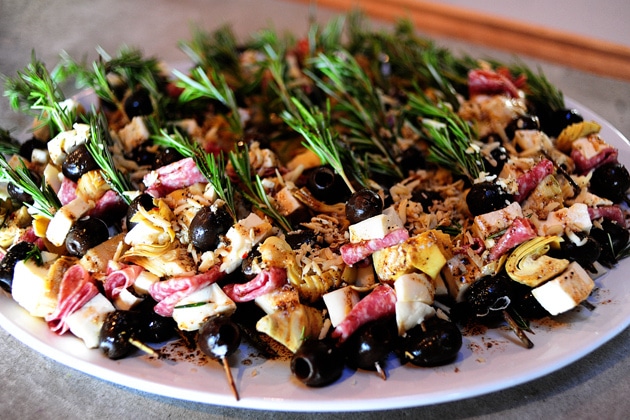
(354, 217)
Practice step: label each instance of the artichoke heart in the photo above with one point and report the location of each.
(291, 327)
(529, 265)
(575, 131)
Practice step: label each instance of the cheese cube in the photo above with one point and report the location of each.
(64, 218)
(487, 224)
(574, 218)
(133, 134)
(32, 289)
(86, 322)
(409, 314)
(339, 303)
(144, 281)
(64, 142)
(241, 238)
(375, 227)
(414, 287)
(566, 291)
(279, 299)
(191, 312)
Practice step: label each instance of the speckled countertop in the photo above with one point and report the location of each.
(35, 387)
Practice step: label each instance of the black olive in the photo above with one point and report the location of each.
(78, 162)
(498, 157)
(14, 254)
(610, 180)
(435, 342)
(485, 197)
(612, 239)
(411, 159)
(154, 328)
(556, 121)
(524, 302)
(296, 238)
(145, 200)
(26, 148)
(166, 157)
(325, 185)
(143, 155)
(523, 122)
(317, 363)
(219, 337)
(362, 205)
(18, 194)
(426, 198)
(85, 234)
(368, 347)
(489, 293)
(138, 104)
(207, 227)
(585, 254)
(118, 329)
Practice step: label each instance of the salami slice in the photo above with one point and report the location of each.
(380, 303)
(263, 283)
(120, 277)
(171, 177)
(76, 289)
(352, 253)
(171, 291)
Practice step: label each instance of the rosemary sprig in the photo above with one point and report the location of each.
(35, 255)
(315, 128)
(98, 143)
(254, 190)
(8, 146)
(217, 49)
(212, 167)
(35, 91)
(452, 139)
(359, 101)
(539, 89)
(199, 85)
(45, 201)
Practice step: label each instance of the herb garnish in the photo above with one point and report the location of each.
(98, 143)
(212, 167)
(45, 201)
(35, 91)
(254, 190)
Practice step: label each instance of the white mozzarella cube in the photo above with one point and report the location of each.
(414, 287)
(574, 218)
(241, 239)
(487, 224)
(566, 291)
(375, 227)
(64, 218)
(279, 299)
(87, 321)
(126, 300)
(32, 289)
(410, 314)
(339, 303)
(65, 141)
(191, 312)
(133, 134)
(144, 281)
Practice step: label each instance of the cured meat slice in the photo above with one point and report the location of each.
(352, 253)
(380, 303)
(530, 179)
(265, 282)
(76, 289)
(613, 213)
(488, 82)
(584, 164)
(171, 291)
(519, 231)
(171, 177)
(120, 277)
(67, 191)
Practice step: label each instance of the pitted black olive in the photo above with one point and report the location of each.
(485, 197)
(317, 363)
(611, 181)
(362, 205)
(426, 198)
(78, 162)
(207, 226)
(143, 200)
(138, 104)
(167, 156)
(523, 122)
(26, 148)
(435, 342)
(85, 234)
(18, 194)
(14, 254)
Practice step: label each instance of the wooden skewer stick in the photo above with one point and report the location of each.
(230, 378)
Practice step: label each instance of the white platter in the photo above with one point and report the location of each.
(485, 364)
